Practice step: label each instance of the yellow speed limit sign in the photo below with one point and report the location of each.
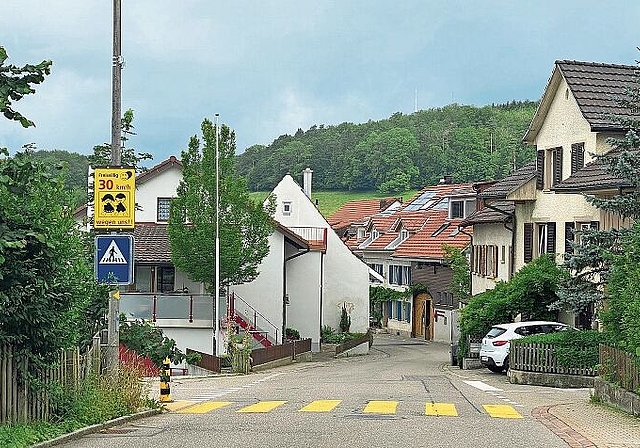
(114, 198)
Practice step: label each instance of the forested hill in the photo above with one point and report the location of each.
(400, 153)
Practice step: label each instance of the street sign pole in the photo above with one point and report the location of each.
(114, 304)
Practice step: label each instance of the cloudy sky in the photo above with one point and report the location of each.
(269, 67)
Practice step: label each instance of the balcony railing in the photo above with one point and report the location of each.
(316, 236)
(150, 306)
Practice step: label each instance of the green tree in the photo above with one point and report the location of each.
(244, 225)
(461, 279)
(48, 295)
(16, 82)
(101, 156)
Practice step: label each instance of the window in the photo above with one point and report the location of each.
(164, 205)
(577, 157)
(398, 315)
(546, 238)
(404, 234)
(548, 167)
(377, 267)
(485, 261)
(165, 278)
(399, 275)
(440, 229)
(406, 311)
(286, 208)
(374, 234)
(360, 233)
(461, 208)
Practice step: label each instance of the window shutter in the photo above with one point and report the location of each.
(577, 157)
(540, 170)
(569, 236)
(557, 165)
(551, 237)
(528, 242)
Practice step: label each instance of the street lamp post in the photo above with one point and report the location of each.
(217, 286)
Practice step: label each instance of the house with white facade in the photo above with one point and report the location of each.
(320, 280)
(539, 208)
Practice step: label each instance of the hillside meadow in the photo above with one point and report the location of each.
(330, 201)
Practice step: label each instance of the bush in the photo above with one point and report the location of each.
(329, 336)
(573, 348)
(291, 333)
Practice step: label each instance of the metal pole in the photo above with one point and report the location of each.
(217, 287)
(114, 304)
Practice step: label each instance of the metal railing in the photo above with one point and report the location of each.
(150, 306)
(259, 323)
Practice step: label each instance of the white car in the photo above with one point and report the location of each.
(494, 351)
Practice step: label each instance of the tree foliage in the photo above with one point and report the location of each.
(48, 295)
(16, 82)
(400, 153)
(461, 279)
(529, 293)
(245, 225)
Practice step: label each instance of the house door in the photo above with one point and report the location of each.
(422, 320)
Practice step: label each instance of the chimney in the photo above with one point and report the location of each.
(447, 180)
(306, 181)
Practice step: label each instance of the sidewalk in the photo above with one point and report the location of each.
(585, 424)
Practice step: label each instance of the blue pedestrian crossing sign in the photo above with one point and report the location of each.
(114, 259)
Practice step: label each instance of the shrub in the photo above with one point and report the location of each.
(291, 333)
(573, 348)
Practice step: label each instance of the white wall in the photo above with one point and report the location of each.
(164, 185)
(492, 234)
(265, 293)
(304, 289)
(346, 277)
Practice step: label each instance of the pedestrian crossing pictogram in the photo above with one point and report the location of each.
(113, 255)
(380, 407)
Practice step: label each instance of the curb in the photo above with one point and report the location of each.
(572, 437)
(97, 427)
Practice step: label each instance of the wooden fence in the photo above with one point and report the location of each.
(538, 357)
(207, 362)
(287, 350)
(367, 337)
(23, 397)
(620, 367)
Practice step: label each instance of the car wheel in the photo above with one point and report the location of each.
(495, 369)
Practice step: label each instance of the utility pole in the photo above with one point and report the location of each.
(116, 93)
(216, 299)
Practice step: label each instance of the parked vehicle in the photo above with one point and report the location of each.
(494, 351)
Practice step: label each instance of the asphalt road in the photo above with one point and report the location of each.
(385, 399)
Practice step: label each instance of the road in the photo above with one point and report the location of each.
(404, 394)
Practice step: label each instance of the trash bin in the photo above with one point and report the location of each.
(454, 354)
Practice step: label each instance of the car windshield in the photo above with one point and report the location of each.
(495, 331)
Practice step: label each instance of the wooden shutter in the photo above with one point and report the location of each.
(577, 157)
(540, 169)
(528, 242)
(569, 236)
(557, 165)
(551, 237)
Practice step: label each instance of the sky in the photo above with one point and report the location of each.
(269, 67)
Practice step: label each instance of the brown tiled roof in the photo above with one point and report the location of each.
(596, 87)
(152, 243)
(512, 182)
(159, 168)
(592, 177)
(489, 215)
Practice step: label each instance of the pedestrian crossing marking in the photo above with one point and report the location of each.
(501, 411)
(381, 407)
(205, 407)
(441, 409)
(262, 406)
(180, 404)
(113, 255)
(321, 406)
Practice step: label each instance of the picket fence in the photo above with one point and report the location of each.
(24, 397)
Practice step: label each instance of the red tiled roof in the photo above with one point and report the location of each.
(357, 211)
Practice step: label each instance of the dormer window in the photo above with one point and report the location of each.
(461, 208)
(360, 233)
(374, 234)
(404, 234)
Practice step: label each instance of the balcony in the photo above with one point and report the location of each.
(171, 310)
(315, 236)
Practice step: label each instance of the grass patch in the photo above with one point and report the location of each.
(330, 201)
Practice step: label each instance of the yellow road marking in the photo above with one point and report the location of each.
(441, 409)
(501, 411)
(177, 405)
(321, 406)
(262, 406)
(381, 407)
(205, 407)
